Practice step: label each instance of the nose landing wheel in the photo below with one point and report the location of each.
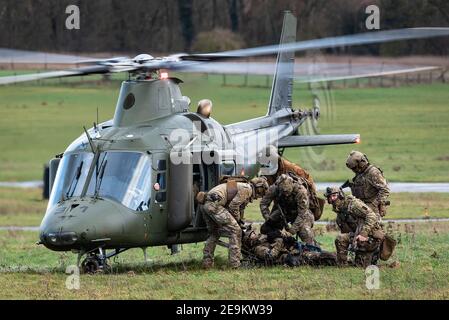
(95, 262)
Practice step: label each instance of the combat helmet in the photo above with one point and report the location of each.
(334, 190)
(260, 186)
(285, 183)
(357, 161)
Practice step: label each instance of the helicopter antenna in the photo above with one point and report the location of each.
(97, 115)
(90, 140)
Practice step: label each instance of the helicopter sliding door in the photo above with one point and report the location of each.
(180, 196)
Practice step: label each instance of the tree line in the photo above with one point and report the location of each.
(169, 26)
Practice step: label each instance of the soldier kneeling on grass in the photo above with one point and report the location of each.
(361, 231)
(222, 209)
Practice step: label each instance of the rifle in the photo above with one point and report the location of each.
(282, 215)
(347, 184)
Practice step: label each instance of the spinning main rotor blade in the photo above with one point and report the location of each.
(186, 62)
(318, 78)
(54, 74)
(348, 40)
(308, 72)
(22, 56)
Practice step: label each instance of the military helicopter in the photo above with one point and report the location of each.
(129, 182)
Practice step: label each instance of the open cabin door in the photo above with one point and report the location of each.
(206, 176)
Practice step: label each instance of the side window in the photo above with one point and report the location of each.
(161, 165)
(227, 168)
(161, 179)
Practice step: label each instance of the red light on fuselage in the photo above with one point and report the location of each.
(164, 75)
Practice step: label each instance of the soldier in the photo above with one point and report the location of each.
(222, 212)
(279, 247)
(369, 184)
(271, 249)
(360, 229)
(291, 205)
(273, 165)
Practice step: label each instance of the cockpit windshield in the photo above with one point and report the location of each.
(121, 176)
(124, 177)
(71, 176)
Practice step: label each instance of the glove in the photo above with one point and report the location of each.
(290, 231)
(286, 234)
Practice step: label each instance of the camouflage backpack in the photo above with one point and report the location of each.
(231, 185)
(316, 205)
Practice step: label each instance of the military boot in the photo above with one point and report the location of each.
(342, 251)
(342, 259)
(208, 263)
(364, 259)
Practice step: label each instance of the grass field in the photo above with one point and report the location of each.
(33, 272)
(404, 130)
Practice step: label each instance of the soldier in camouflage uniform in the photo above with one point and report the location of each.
(268, 248)
(360, 229)
(222, 214)
(280, 248)
(273, 166)
(291, 205)
(369, 183)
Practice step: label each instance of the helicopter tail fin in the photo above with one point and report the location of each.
(282, 89)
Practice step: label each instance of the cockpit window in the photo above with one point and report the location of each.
(71, 176)
(121, 176)
(124, 177)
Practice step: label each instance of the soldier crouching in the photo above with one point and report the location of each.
(360, 228)
(222, 214)
(291, 205)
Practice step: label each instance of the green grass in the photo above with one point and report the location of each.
(33, 272)
(404, 130)
(21, 207)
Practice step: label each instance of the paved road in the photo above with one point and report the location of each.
(24, 184)
(395, 187)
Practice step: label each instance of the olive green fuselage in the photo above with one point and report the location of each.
(152, 121)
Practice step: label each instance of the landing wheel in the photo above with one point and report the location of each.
(95, 262)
